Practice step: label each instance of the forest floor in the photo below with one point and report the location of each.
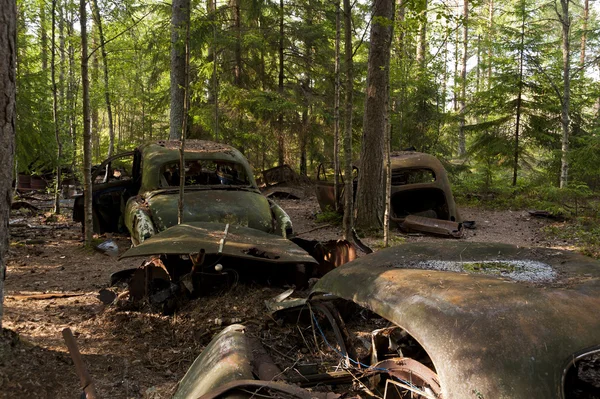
(139, 353)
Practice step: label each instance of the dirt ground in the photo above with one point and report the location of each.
(140, 353)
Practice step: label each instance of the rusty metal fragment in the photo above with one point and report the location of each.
(439, 227)
(329, 254)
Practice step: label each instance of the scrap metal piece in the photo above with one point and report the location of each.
(108, 247)
(329, 254)
(433, 226)
(502, 338)
(419, 375)
(148, 279)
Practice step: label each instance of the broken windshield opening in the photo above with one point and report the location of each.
(401, 177)
(204, 172)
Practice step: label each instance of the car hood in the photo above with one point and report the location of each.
(490, 332)
(230, 240)
(233, 206)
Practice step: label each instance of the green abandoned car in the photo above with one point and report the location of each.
(228, 226)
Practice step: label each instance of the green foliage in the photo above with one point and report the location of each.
(329, 216)
(583, 231)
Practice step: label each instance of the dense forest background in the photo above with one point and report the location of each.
(505, 93)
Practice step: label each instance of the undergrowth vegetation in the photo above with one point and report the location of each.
(575, 208)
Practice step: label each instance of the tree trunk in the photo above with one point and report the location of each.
(111, 131)
(336, 105)
(94, 104)
(422, 39)
(8, 58)
(462, 146)
(57, 182)
(565, 21)
(370, 191)
(87, 130)
(489, 44)
(456, 54)
(280, 138)
(43, 36)
(348, 220)
(186, 98)
(237, 26)
(180, 17)
(519, 98)
(586, 16)
(72, 92)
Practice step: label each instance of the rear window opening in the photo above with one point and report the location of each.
(401, 177)
(426, 202)
(204, 172)
(582, 378)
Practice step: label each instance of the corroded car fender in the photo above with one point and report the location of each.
(138, 220)
(282, 223)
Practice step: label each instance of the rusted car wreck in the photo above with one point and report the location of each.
(450, 320)
(229, 228)
(421, 196)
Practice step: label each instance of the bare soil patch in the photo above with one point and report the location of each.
(139, 353)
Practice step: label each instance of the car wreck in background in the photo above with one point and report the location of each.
(229, 228)
(421, 197)
(444, 320)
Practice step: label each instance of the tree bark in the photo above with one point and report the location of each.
(565, 21)
(336, 105)
(422, 39)
(8, 57)
(57, 182)
(87, 129)
(462, 146)
(280, 138)
(348, 220)
(180, 17)
(237, 26)
(370, 191)
(111, 131)
(586, 16)
(489, 44)
(519, 98)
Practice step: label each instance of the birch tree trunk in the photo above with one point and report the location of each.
(8, 57)
(88, 222)
(565, 21)
(370, 193)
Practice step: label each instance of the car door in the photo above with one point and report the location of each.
(114, 181)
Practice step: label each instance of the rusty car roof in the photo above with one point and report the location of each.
(414, 159)
(489, 334)
(155, 155)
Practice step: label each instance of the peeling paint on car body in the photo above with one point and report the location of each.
(487, 335)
